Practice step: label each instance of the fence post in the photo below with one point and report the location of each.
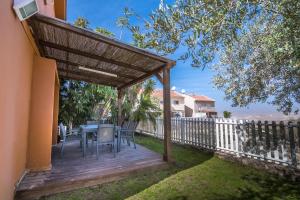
(236, 137)
(217, 134)
(292, 144)
(182, 131)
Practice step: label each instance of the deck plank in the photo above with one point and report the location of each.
(73, 171)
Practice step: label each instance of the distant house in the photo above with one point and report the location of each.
(185, 105)
(177, 102)
(204, 106)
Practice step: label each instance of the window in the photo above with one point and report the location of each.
(176, 102)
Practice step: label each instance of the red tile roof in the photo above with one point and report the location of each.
(159, 93)
(202, 98)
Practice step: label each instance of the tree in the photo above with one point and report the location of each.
(104, 31)
(226, 114)
(138, 105)
(253, 45)
(81, 22)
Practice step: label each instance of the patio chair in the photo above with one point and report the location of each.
(127, 132)
(105, 136)
(63, 137)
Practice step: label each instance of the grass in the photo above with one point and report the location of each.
(195, 175)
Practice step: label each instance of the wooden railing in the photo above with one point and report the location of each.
(277, 142)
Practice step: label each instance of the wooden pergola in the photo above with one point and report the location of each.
(84, 55)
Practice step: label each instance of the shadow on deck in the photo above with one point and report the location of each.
(73, 171)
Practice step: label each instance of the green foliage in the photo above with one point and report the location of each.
(255, 45)
(226, 114)
(79, 99)
(81, 22)
(104, 31)
(138, 104)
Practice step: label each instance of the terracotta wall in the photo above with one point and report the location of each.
(16, 66)
(16, 61)
(55, 111)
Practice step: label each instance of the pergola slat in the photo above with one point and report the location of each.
(89, 55)
(91, 75)
(99, 37)
(93, 67)
(68, 75)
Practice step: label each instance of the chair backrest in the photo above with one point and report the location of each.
(106, 133)
(92, 122)
(62, 131)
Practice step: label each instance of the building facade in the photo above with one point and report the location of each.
(185, 105)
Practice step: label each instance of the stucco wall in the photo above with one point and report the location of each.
(16, 61)
(41, 114)
(55, 111)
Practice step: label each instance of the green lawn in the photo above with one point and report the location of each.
(195, 175)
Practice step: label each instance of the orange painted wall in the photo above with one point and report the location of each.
(16, 67)
(55, 112)
(41, 114)
(16, 59)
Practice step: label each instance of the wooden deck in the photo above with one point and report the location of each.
(73, 171)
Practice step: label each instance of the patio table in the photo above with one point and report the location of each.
(92, 128)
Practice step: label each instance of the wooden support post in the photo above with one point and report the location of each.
(167, 113)
(159, 77)
(120, 101)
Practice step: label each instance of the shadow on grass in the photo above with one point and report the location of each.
(267, 187)
(185, 156)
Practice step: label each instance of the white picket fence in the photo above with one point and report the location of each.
(274, 142)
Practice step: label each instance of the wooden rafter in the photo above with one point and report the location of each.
(93, 67)
(142, 78)
(93, 76)
(90, 55)
(72, 76)
(159, 77)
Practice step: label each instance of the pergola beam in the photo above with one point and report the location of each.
(142, 78)
(91, 76)
(159, 77)
(93, 67)
(93, 56)
(77, 77)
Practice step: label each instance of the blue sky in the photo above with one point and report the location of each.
(183, 76)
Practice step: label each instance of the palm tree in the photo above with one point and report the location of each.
(138, 104)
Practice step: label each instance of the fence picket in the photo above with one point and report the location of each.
(276, 142)
(260, 139)
(275, 152)
(236, 138)
(231, 135)
(292, 145)
(221, 134)
(253, 135)
(217, 133)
